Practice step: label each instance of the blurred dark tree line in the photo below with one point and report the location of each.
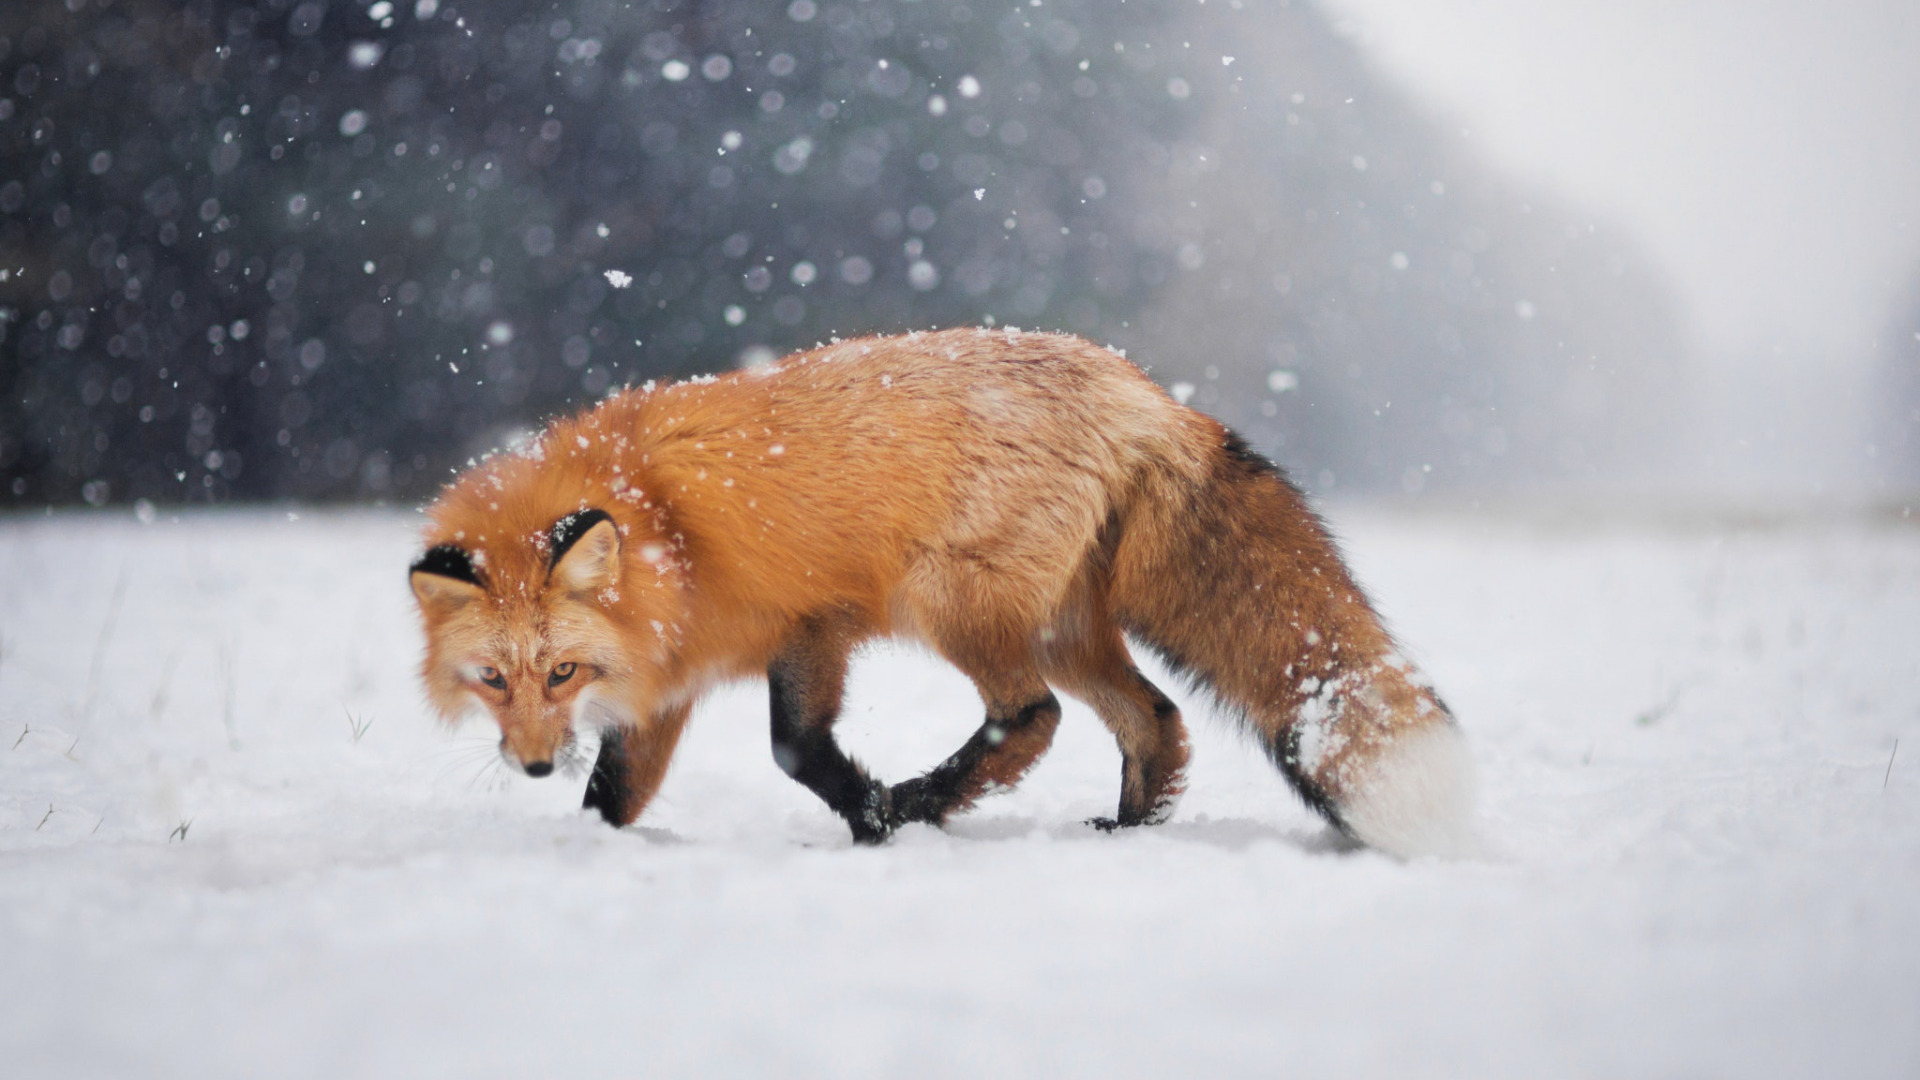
(297, 248)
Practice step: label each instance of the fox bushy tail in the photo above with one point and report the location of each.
(1235, 582)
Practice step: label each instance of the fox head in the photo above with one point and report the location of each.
(530, 627)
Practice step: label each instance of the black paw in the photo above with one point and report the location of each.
(605, 802)
(1124, 821)
(607, 787)
(916, 800)
(873, 820)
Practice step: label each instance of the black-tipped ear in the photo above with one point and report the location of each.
(447, 561)
(585, 551)
(567, 532)
(444, 578)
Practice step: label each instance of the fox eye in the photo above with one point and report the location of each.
(493, 678)
(561, 673)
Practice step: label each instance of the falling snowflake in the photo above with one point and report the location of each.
(619, 279)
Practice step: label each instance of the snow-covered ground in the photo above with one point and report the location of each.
(233, 844)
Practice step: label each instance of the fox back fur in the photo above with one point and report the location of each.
(1021, 503)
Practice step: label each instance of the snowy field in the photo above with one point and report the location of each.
(233, 844)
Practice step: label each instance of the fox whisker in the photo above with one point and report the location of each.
(468, 754)
(572, 760)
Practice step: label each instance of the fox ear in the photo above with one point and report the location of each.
(586, 552)
(444, 579)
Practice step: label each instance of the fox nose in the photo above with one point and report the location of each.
(539, 768)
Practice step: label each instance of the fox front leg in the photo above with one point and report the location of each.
(806, 681)
(632, 762)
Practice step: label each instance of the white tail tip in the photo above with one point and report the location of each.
(1417, 798)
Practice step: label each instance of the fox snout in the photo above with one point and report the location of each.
(535, 752)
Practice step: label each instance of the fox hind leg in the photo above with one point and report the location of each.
(806, 682)
(1153, 771)
(1146, 725)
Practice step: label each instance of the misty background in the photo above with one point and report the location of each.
(334, 250)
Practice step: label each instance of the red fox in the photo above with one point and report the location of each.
(1022, 503)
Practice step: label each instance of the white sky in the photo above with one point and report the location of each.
(1765, 152)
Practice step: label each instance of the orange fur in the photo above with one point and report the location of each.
(1018, 502)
